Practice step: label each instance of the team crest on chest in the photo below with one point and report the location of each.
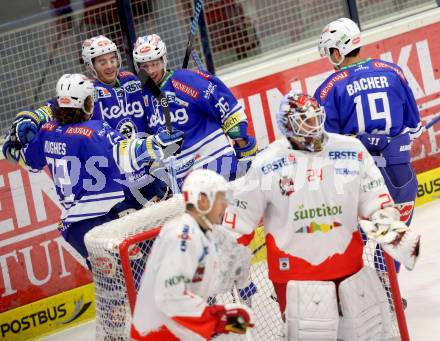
(286, 185)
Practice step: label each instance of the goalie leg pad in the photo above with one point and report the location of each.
(311, 310)
(364, 307)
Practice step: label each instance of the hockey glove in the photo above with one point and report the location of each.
(10, 150)
(27, 124)
(160, 190)
(393, 235)
(232, 318)
(250, 149)
(163, 144)
(244, 144)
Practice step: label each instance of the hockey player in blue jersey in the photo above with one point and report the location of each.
(87, 160)
(119, 101)
(371, 99)
(202, 107)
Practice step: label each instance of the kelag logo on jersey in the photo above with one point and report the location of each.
(179, 116)
(131, 109)
(345, 155)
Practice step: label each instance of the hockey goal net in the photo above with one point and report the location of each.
(119, 250)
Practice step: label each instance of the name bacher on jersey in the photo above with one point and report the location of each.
(366, 83)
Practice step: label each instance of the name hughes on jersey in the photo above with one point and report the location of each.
(58, 148)
(366, 83)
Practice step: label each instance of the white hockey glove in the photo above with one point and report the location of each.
(393, 235)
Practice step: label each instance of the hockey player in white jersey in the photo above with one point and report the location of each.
(311, 187)
(187, 265)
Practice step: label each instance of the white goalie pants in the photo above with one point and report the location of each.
(312, 309)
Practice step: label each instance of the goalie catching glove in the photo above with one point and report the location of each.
(232, 318)
(393, 235)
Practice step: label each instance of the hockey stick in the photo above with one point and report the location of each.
(52, 52)
(432, 122)
(147, 81)
(192, 33)
(197, 60)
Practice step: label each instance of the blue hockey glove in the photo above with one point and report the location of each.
(22, 131)
(250, 149)
(27, 124)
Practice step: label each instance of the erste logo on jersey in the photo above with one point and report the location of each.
(331, 83)
(132, 86)
(345, 155)
(102, 92)
(278, 164)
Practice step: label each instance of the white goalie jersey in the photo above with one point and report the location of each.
(186, 266)
(311, 203)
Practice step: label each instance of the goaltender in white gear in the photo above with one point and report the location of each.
(192, 259)
(311, 187)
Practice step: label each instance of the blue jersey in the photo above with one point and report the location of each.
(81, 163)
(204, 109)
(121, 106)
(372, 97)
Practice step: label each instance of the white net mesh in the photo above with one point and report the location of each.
(112, 308)
(114, 287)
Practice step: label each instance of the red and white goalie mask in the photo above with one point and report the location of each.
(300, 115)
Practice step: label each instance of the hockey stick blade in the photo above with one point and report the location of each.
(433, 121)
(147, 81)
(192, 33)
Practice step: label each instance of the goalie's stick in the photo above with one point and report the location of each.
(192, 33)
(235, 293)
(147, 81)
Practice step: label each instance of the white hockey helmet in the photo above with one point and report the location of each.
(148, 48)
(303, 112)
(203, 181)
(73, 90)
(98, 46)
(342, 34)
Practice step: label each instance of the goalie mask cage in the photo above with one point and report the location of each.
(118, 252)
